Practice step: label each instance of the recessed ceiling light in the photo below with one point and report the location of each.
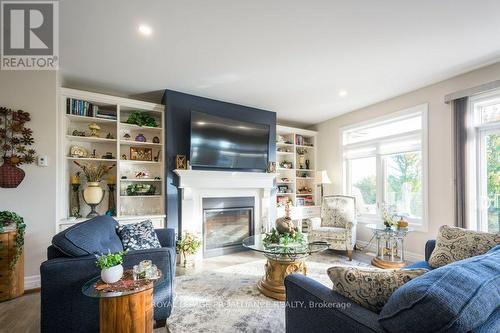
(145, 30)
(343, 93)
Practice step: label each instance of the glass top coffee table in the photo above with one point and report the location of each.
(390, 246)
(282, 260)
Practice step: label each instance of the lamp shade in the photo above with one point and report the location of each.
(322, 177)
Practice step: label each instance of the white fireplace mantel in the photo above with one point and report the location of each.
(224, 179)
(197, 185)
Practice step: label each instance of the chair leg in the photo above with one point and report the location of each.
(349, 254)
(160, 323)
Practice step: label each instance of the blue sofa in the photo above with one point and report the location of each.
(471, 302)
(71, 262)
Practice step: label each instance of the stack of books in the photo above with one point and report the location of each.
(106, 114)
(80, 108)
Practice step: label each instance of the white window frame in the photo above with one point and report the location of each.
(477, 176)
(422, 109)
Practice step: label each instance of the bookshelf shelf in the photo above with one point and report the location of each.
(85, 119)
(78, 109)
(301, 150)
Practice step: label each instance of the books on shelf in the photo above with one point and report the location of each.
(83, 108)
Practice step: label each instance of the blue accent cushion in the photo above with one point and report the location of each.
(420, 264)
(458, 297)
(138, 236)
(95, 236)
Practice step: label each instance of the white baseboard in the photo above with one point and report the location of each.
(411, 256)
(31, 282)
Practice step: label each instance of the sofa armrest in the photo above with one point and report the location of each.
(166, 237)
(314, 308)
(429, 247)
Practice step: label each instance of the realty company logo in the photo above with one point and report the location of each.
(30, 35)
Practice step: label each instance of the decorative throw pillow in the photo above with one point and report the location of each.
(138, 236)
(370, 287)
(454, 244)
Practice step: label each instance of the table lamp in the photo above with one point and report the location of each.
(322, 178)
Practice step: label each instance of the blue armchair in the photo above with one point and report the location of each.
(71, 262)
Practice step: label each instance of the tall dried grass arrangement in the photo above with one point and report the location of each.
(94, 172)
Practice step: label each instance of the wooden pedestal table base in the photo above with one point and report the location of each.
(381, 263)
(272, 283)
(131, 313)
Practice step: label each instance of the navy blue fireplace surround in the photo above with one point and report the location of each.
(177, 135)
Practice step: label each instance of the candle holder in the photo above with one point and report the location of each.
(75, 201)
(111, 200)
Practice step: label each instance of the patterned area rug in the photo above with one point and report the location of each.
(227, 299)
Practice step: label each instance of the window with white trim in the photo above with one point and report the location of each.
(486, 173)
(384, 165)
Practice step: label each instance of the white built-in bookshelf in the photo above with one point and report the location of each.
(296, 170)
(118, 138)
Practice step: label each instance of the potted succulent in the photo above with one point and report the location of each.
(187, 247)
(15, 146)
(111, 266)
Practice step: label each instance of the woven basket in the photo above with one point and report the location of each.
(10, 175)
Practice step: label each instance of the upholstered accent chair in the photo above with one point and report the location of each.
(337, 225)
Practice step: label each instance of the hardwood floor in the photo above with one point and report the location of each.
(22, 315)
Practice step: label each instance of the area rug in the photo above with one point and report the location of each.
(227, 299)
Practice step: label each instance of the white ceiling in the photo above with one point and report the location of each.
(288, 56)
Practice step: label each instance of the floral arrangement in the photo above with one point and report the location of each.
(94, 172)
(284, 239)
(388, 218)
(188, 244)
(7, 219)
(109, 260)
(15, 137)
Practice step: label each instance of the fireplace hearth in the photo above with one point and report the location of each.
(226, 222)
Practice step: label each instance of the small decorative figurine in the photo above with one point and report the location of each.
(110, 136)
(140, 138)
(157, 157)
(156, 139)
(126, 136)
(78, 133)
(124, 157)
(94, 129)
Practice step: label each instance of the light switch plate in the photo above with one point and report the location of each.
(43, 161)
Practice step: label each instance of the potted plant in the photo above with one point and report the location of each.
(15, 146)
(12, 220)
(111, 266)
(93, 193)
(187, 247)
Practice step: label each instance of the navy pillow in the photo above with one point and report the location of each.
(139, 236)
(458, 297)
(95, 236)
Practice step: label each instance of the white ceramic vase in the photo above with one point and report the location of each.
(112, 274)
(93, 193)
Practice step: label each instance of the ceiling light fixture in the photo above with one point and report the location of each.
(343, 93)
(145, 30)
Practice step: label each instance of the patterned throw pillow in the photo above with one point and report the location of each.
(454, 244)
(370, 287)
(138, 236)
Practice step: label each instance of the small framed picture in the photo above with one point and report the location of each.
(141, 154)
(282, 188)
(181, 162)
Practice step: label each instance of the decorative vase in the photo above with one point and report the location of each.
(187, 260)
(93, 195)
(10, 175)
(112, 274)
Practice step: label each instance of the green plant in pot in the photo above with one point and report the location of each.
(111, 266)
(187, 247)
(10, 220)
(141, 119)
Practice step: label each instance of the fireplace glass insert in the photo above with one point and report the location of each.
(226, 222)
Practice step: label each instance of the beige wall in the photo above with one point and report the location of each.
(35, 199)
(440, 146)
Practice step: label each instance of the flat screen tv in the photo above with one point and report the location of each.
(223, 143)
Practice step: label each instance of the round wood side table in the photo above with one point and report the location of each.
(127, 308)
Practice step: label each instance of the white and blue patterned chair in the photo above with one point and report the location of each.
(337, 225)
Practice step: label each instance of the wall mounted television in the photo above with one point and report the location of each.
(224, 143)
